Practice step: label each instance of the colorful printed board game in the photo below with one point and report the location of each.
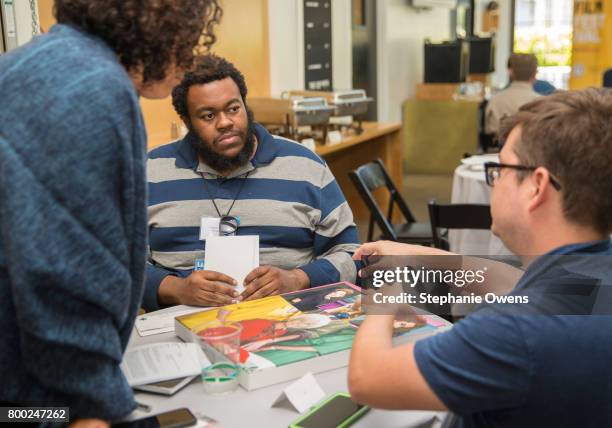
(284, 337)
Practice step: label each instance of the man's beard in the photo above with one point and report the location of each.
(221, 163)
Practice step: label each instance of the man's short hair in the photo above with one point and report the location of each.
(146, 36)
(570, 134)
(208, 68)
(524, 66)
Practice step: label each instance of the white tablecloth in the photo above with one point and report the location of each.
(470, 187)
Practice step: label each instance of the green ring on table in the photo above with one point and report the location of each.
(229, 377)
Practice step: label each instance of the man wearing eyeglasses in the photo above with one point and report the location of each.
(541, 363)
(231, 176)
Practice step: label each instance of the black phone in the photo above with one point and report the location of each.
(339, 410)
(178, 418)
(168, 387)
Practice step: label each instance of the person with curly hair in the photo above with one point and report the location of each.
(72, 194)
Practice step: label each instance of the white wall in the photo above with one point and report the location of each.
(401, 33)
(23, 20)
(287, 45)
(503, 49)
(478, 12)
(342, 44)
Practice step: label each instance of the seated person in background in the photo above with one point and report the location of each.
(227, 165)
(522, 69)
(510, 369)
(542, 87)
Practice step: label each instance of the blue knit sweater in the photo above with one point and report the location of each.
(72, 224)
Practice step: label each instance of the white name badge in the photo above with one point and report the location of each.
(209, 226)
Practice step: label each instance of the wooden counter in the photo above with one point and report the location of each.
(378, 140)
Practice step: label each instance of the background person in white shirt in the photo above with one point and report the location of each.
(522, 69)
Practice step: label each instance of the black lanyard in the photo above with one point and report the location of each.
(235, 197)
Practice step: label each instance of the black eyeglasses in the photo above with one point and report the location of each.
(228, 225)
(493, 170)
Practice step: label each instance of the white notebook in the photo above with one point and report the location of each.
(162, 361)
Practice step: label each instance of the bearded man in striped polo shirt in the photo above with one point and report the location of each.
(228, 167)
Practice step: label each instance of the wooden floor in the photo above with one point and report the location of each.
(418, 189)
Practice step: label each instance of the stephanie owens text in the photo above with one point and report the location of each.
(412, 299)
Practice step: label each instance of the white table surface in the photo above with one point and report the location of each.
(243, 408)
(470, 187)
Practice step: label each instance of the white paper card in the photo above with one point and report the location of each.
(334, 137)
(162, 321)
(161, 361)
(303, 394)
(209, 226)
(235, 256)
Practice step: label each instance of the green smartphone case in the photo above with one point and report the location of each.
(345, 424)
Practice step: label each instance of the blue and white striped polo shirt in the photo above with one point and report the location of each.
(290, 199)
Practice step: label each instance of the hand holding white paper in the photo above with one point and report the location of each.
(235, 256)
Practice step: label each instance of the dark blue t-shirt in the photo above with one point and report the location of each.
(543, 87)
(540, 365)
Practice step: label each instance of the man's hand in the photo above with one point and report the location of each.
(387, 255)
(201, 288)
(391, 248)
(89, 423)
(268, 281)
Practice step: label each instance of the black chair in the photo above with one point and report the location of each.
(372, 176)
(485, 141)
(456, 216)
(607, 79)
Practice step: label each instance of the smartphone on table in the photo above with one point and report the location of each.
(178, 418)
(337, 411)
(168, 387)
